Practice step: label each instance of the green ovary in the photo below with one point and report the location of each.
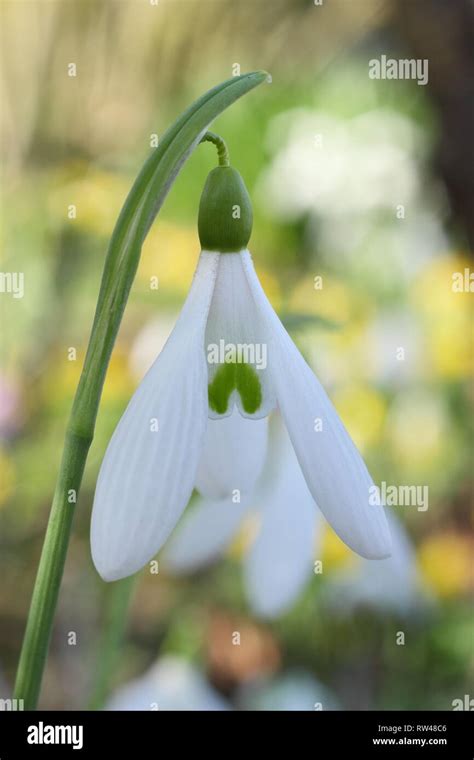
(240, 377)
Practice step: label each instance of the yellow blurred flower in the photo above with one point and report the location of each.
(334, 552)
(119, 383)
(447, 316)
(62, 377)
(270, 286)
(170, 253)
(362, 411)
(333, 301)
(418, 425)
(97, 196)
(245, 536)
(446, 561)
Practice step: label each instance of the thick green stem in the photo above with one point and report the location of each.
(141, 206)
(50, 571)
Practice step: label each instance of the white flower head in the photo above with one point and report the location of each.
(228, 353)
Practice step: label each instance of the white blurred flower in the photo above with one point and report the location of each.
(293, 690)
(338, 167)
(392, 585)
(171, 684)
(359, 182)
(394, 348)
(422, 410)
(386, 250)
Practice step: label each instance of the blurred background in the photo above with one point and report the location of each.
(363, 201)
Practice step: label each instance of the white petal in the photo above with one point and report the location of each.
(280, 560)
(334, 470)
(171, 684)
(233, 456)
(148, 475)
(203, 535)
(234, 325)
(294, 690)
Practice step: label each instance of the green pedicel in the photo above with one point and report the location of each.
(240, 377)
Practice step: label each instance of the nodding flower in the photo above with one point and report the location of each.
(158, 453)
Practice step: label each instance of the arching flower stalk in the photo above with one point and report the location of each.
(228, 353)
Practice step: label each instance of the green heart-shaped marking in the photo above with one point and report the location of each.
(244, 379)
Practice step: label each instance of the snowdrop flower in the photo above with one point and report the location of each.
(171, 684)
(392, 585)
(279, 562)
(228, 352)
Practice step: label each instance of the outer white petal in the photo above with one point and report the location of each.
(334, 470)
(204, 534)
(148, 475)
(171, 684)
(280, 561)
(234, 453)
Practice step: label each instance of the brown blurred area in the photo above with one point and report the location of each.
(443, 32)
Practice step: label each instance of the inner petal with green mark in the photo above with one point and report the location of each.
(235, 376)
(236, 346)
